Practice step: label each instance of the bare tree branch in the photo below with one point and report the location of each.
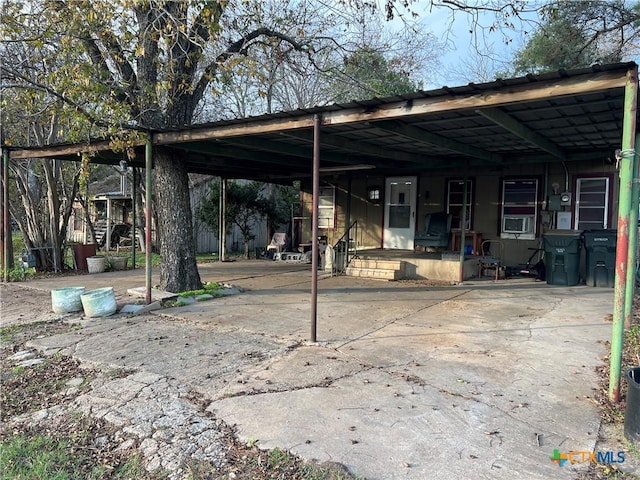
(240, 47)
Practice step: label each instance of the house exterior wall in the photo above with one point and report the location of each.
(487, 202)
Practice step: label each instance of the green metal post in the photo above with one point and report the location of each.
(633, 238)
(622, 247)
(148, 165)
(6, 227)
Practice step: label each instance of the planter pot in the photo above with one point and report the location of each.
(96, 264)
(119, 263)
(66, 300)
(632, 411)
(99, 303)
(81, 253)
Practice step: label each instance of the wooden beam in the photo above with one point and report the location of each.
(423, 136)
(509, 123)
(67, 150)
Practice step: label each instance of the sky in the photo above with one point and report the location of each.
(461, 63)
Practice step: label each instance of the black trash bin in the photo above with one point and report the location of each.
(562, 257)
(600, 246)
(632, 411)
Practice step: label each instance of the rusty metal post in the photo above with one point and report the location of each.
(133, 217)
(317, 120)
(148, 165)
(627, 155)
(223, 220)
(463, 220)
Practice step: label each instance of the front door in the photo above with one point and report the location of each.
(400, 213)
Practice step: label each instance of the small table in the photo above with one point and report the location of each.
(476, 244)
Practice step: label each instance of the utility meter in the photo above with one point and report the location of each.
(565, 199)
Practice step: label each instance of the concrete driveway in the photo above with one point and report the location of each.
(408, 380)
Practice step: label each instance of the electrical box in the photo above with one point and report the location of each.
(564, 221)
(565, 199)
(554, 203)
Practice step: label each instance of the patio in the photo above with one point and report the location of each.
(409, 379)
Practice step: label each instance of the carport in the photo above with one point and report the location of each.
(564, 116)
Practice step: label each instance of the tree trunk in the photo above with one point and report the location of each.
(178, 269)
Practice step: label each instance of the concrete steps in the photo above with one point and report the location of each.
(379, 269)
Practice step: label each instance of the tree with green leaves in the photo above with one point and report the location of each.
(246, 204)
(136, 66)
(369, 74)
(577, 34)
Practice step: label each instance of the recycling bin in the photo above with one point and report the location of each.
(562, 257)
(600, 247)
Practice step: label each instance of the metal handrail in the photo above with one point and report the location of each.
(342, 250)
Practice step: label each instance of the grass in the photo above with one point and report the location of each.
(69, 454)
(9, 332)
(210, 288)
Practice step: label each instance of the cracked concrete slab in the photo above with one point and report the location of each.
(482, 380)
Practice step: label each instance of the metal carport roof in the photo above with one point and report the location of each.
(565, 115)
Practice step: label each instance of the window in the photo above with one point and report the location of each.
(455, 191)
(373, 194)
(592, 203)
(519, 208)
(326, 207)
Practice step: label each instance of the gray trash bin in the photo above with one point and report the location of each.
(600, 247)
(562, 257)
(632, 411)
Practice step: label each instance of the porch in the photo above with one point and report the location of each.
(392, 264)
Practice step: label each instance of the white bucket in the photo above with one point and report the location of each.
(96, 264)
(65, 300)
(100, 302)
(119, 263)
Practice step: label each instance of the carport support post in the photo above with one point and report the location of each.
(133, 218)
(317, 120)
(148, 162)
(633, 239)
(463, 220)
(223, 220)
(622, 247)
(6, 232)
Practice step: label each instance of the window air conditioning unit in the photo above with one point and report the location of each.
(517, 224)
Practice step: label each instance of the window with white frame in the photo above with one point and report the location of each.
(519, 208)
(326, 207)
(592, 203)
(455, 195)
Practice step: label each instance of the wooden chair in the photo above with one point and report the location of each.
(489, 261)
